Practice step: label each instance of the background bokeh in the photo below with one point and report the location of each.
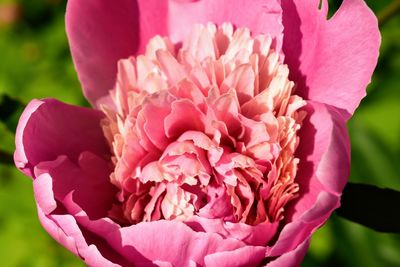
(35, 63)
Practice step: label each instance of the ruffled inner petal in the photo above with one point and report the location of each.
(203, 132)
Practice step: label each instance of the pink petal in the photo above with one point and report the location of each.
(184, 116)
(301, 229)
(325, 165)
(260, 16)
(67, 213)
(171, 67)
(167, 238)
(65, 230)
(292, 258)
(102, 32)
(218, 206)
(154, 113)
(242, 80)
(254, 235)
(49, 128)
(331, 60)
(189, 90)
(322, 173)
(164, 264)
(169, 241)
(245, 256)
(149, 137)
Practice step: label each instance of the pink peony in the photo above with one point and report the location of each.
(218, 131)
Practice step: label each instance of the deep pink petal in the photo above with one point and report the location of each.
(49, 128)
(260, 16)
(323, 172)
(102, 32)
(331, 60)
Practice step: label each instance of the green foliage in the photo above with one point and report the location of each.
(35, 63)
(24, 241)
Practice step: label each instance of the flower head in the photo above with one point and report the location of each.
(212, 124)
(217, 136)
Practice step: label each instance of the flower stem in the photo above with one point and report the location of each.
(371, 206)
(390, 11)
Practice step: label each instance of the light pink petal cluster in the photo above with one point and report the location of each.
(208, 130)
(218, 131)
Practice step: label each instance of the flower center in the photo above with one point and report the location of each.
(209, 130)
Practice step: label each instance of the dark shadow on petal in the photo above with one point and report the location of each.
(292, 45)
(107, 251)
(305, 168)
(86, 187)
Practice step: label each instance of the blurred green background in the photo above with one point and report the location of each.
(35, 63)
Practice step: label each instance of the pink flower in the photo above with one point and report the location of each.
(218, 131)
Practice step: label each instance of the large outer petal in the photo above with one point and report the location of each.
(292, 258)
(102, 32)
(169, 241)
(67, 201)
(49, 128)
(66, 194)
(245, 256)
(324, 168)
(87, 180)
(331, 60)
(260, 16)
(64, 227)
